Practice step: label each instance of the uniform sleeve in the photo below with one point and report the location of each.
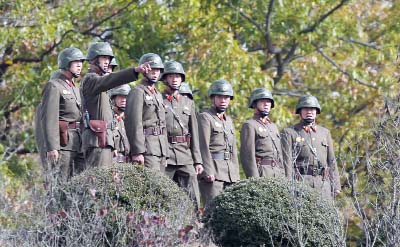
(134, 122)
(286, 142)
(97, 84)
(248, 151)
(235, 151)
(50, 117)
(333, 170)
(194, 131)
(204, 140)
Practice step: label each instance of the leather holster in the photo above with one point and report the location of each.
(99, 128)
(63, 126)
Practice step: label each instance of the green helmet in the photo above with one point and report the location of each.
(185, 89)
(308, 101)
(154, 60)
(221, 87)
(69, 55)
(99, 49)
(120, 90)
(113, 62)
(173, 67)
(260, 93)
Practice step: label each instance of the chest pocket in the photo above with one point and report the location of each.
(68, 97)
(324, 144)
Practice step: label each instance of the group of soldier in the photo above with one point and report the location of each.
(105, 122)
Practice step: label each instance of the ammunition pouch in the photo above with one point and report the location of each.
(180, 139)
(99, 128)
(266, 162)
(63, 126)
(313, 171)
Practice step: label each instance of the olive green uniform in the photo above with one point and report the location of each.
(61, 102)
(309, 155)
(219, 153)
(145, 126)
(97, 102)
(121, 144)
(183, 140)
(260, 150)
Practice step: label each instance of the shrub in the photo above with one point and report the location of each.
(120, 205)
(272, 212)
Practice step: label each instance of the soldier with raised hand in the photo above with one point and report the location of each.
(260, 150)
(145, 118)
(218, 143)
(60, 116)
(118, 101)
(98, 140)
(308, 150)
(184, 163)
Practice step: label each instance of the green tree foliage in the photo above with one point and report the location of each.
(344, 52)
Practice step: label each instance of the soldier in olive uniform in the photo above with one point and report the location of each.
(218, 143)
(184, 163)
(308, 150)
(98, 140)
(121, 145)
(185, 90)
(60, 117)
(261, 151)
(145, 118)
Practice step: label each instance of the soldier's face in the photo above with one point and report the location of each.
(153, 74)
(308, 112)
(104, 61)
(174, 80)
(264, 105)
(76, 67)
(222, 101)
(120, 100)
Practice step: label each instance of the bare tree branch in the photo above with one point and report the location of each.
(271, 48)
(331, 61)
(372, 45)
(247, 17)
(312, 28)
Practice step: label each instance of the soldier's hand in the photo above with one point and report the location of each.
(138, 158)
(53, 156)
(143, 68)
(210, 178)
(337, 192)
(199, 169)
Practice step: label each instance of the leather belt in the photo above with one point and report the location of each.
(310, 170)
(120, 158)
(74, 125)
(154, 131)
(266, 162)
(221, 156)
(177, 139)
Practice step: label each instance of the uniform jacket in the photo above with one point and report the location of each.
(121, 143)
(60, 102)
(297, 147)
(97, 102)
(259, 140)
(183, 107)
(213, 140)
(145, 109)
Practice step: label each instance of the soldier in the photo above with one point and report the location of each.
(97, 136)
(185, 90)
(184, 163)
(60, 116)
(145, 118)
(261, 151)
(308, 150)
(118, 100)
(218, 143)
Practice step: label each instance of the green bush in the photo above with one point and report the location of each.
(272, 212)
(120, 205)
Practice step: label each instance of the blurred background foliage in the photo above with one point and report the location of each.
(345, 52)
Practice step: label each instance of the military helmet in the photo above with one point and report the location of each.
(69, 55)
(113, 62)
(221, 87)
(260, 93)
(120, 90)
(185, 89)
(154, 60)
(173, 67)
(308, 101)
(99, 49)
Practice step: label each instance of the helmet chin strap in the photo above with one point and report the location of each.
(174, 88)
(98, 66)
(219, 109)
(263, 113)
(121, 108)
(308, 120)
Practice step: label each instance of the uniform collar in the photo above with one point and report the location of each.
(309, 128)
(266, 120)
(170, 97)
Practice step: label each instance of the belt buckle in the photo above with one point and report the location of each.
(314, 171)
(155, 132)
(174, 140)
(227, 155)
